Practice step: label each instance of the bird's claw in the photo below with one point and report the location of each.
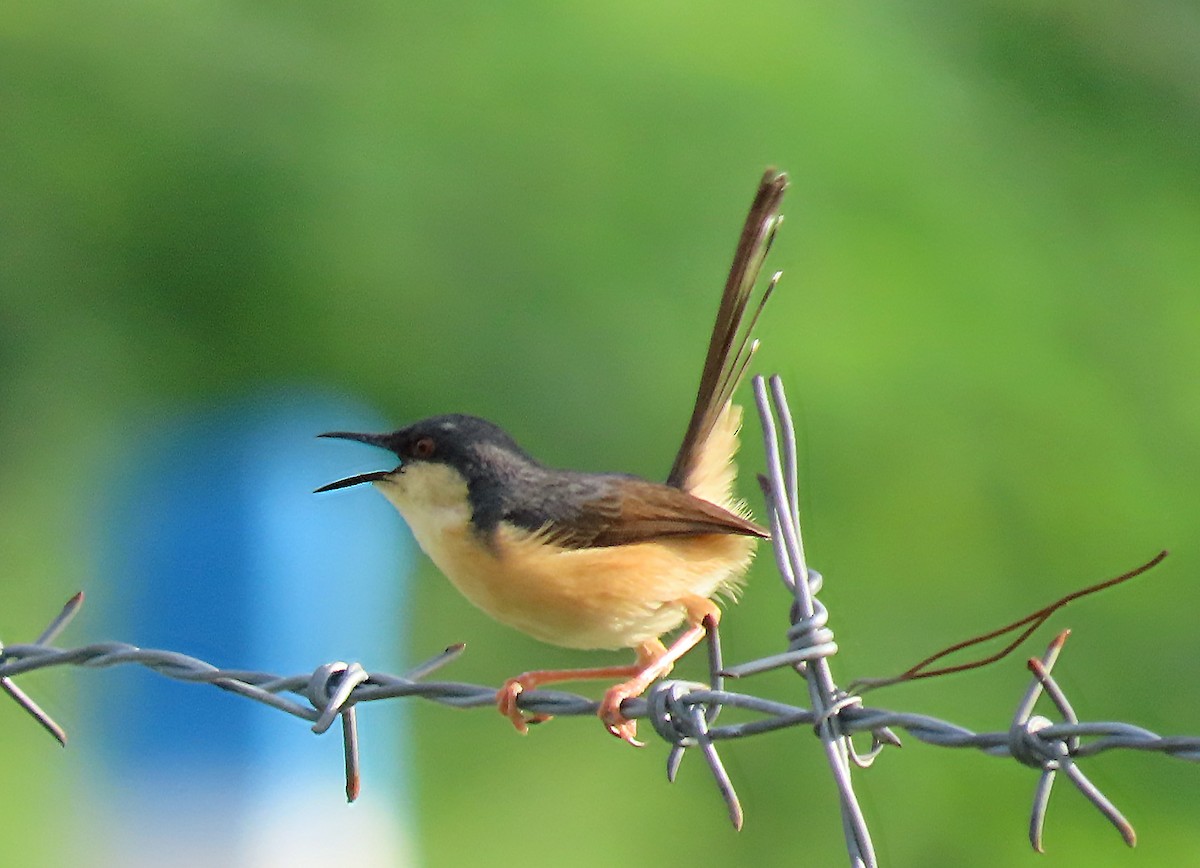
(610, 707)
(506, 702)
(614, 721)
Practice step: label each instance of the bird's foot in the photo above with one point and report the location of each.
(610, 712)
(506, 702)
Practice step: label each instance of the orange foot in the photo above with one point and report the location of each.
(610, 712)
(654, 660)
(506, 696)
(506, 702)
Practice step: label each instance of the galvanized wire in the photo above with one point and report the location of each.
(684, 714)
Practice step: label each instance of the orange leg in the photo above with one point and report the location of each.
(654, 660)
(700, 613)
(506, 696)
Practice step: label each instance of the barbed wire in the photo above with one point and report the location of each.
(683, 713)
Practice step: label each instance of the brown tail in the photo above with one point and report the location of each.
(730, 347)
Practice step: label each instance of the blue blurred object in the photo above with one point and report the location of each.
(219, 549)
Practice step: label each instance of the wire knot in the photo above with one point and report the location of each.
(809, 638)
(837, 704)
(678, 721)
(329, 689)
(1027, 745)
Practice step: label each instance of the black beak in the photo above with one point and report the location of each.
(380, 440)
(353, 480)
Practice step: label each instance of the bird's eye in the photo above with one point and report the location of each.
(423, 448)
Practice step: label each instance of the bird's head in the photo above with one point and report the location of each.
(455, 448)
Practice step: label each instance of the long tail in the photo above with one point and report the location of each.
(730, 347)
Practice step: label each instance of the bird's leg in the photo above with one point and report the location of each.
(506, 696)
(654, 663)
(654, 660)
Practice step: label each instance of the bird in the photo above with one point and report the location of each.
(594, 560)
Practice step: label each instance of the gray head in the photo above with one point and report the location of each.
(467, 443)
(443, 455)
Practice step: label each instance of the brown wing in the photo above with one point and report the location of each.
(729, 348)
(635, 510)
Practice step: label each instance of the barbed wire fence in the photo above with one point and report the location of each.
(683, 713)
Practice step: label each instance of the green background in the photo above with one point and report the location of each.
(987, 325)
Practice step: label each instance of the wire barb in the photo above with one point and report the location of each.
(24, 700)
(1035, 745)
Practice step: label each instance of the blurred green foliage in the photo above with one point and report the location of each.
(987, 323)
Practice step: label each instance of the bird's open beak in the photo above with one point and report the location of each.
(354, 480)
(380, 440)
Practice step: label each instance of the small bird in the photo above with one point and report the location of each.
(593, 560)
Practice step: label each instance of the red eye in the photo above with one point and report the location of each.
(423, 448)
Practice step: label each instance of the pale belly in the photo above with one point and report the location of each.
(607, 597)
(612, 597)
